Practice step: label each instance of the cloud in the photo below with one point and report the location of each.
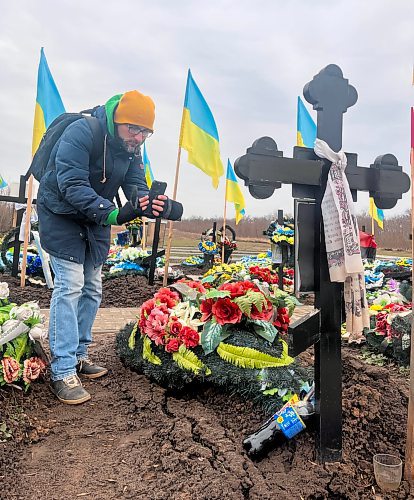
(251, 60)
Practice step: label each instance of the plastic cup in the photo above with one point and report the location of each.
(387, 471)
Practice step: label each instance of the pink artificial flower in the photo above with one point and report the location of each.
(11, 369)
(156, 324)
(146, 308)
(33, 367)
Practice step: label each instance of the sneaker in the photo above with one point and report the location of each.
(87, 369)
(69, 390)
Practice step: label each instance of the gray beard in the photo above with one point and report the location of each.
(135, 150)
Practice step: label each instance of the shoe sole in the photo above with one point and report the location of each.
(72, 401)
(93, 375)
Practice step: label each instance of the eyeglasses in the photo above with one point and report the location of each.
(135, 130)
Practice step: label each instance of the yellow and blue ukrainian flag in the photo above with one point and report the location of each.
(149, 176)
(234, 193)
(306, 127)
(376, 213)
(49, 105)
(199, 136)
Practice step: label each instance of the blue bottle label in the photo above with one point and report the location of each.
(289, 421)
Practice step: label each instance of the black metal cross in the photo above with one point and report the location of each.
(263, 170)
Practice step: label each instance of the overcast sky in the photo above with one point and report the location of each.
(250, 60)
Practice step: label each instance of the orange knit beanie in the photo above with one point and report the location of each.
(137, 109)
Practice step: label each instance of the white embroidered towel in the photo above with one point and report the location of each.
(342, 239)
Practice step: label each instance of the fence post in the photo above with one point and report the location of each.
(16, 251)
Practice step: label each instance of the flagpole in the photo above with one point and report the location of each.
(223, 232)
(409, 448)
(170, 223)
(26, 232)
(372, 226)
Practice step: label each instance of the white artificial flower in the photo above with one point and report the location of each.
(26, 311)
(4, 290)
(21, 313)
(185, 313)
(33, 305)
(37, 333)
(133, 253)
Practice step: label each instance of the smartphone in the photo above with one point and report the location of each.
(157, 188)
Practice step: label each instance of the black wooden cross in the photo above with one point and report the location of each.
(263, 170)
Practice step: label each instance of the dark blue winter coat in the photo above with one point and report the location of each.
(73, 203)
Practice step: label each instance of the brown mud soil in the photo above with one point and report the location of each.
(122, 291)
(136, 440)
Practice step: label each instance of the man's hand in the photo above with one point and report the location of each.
(143, 203)
(158, 204)
(127, 213)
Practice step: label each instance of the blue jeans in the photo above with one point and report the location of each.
(75, 302)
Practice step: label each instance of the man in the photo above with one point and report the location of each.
(76, 210)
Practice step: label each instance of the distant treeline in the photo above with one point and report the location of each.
(396, 234)
(248, 227)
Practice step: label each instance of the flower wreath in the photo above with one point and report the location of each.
(228, 335)
(205, 316)
(278, 233)
(208, 247)
(21, 326)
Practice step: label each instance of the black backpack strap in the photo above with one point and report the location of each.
(97, 137)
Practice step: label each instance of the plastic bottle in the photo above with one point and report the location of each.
(270, 435)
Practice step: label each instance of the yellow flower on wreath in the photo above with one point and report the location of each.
(376, 307)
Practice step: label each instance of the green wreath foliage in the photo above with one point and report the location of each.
(210, 369)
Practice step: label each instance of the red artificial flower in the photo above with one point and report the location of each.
(167, 296)
(11, 369)
(266, 314)
(175, 328)
(264, 274)
(172, 345)
(190, 337)
(205, 308)
(249, 285)
(238, 288)
(381, 325)
(225, 311)
(197, 285)
(282, 321)
(396, 307)
(33, 367)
